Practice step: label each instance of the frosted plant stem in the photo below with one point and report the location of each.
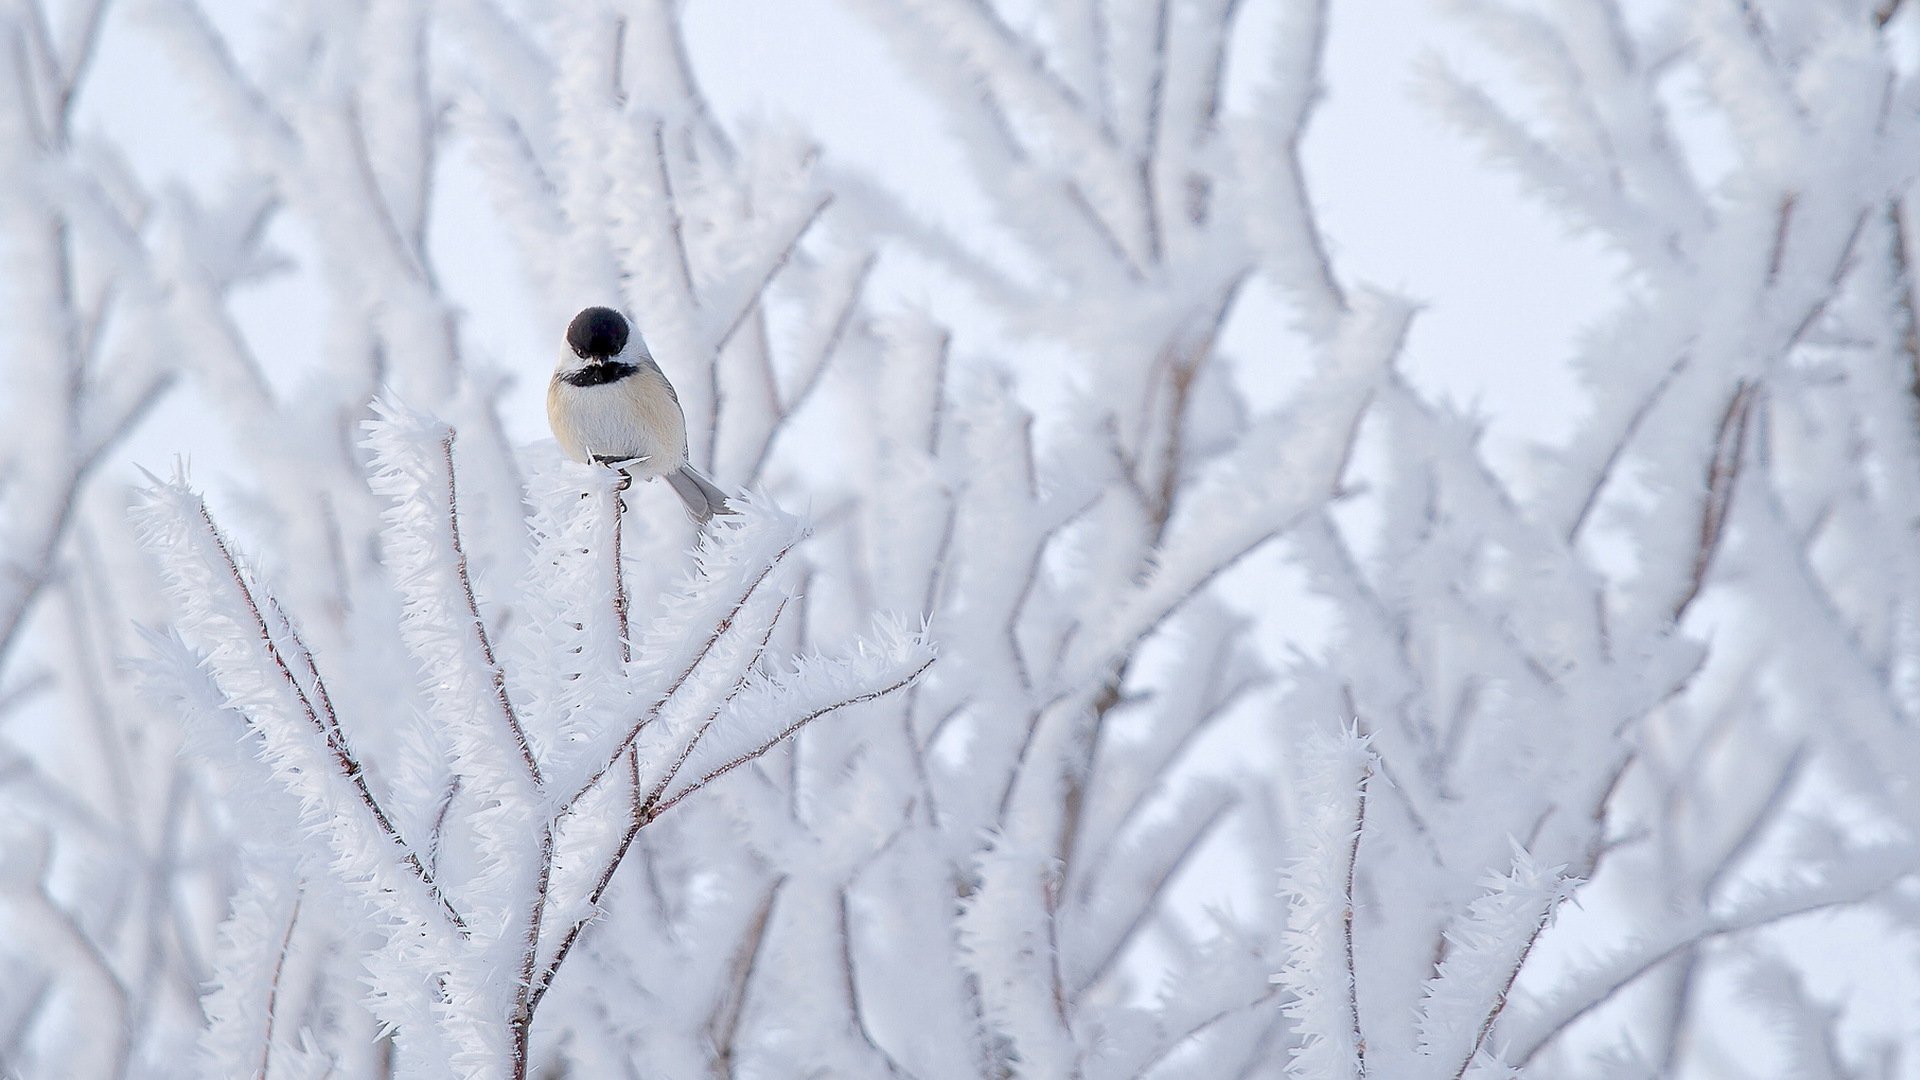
(325, 700)
(1200, 1028)
(1609, 465)
(682, 261)
(651, 812)
(38, 571)
(273, 989)
(783, 735)
(1155, 891)
(495, 671)
(724, 1025)
(850, 984)
(1869, 873)
(118, 1001)
(687, 751)
(633, 732)
(440, 823)
(818, 368)
(1346, 928)
(1506, 990)
(336, 739)
(779, 262)
(1903, 271)
(619, 509)
(527, 1000)
(1722, 473)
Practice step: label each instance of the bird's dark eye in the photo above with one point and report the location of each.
(597, 333)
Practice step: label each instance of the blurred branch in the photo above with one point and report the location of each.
(1723, 471)
(1863, 874)
(40, 570)
(273, 990)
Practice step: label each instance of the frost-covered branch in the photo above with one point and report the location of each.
(394, 787)
(221, 603)
(1861, 877)
(527, 886)
(1319, 975)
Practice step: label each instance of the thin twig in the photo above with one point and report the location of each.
(617, 83)
(633, 733)
(1212, 705)
(1608, 465)
(427, 143)
(189, 19)
(1215, 80)
(94, 679)
(439, 827)
(76, 70)
(1102, 230)
(38, 572)
(115, 1028)
(335, 738)
(1051, 886)
(677, 225)
(497, 673)
(407, 260)
(273, 988)
(1346, 929)
(1100, 108)
(1327, 284)
(656, 807)
(619, 569)
(835, 335)
(1150, 151)
(1020, 56)
(1903, 280)
(1149, 904)
(521, 1024)
(783, 735)
(1777, 254)
(1723, 470)
(850, 987)
(644, 811)
(723, 1027)
(699, 111)
(1768, 810)
(324, 699)
(1888, 866)
(740, 684)
(1500, 999)
(1195, 1030)
(779, 263)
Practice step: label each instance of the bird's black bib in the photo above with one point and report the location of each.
(599, 374)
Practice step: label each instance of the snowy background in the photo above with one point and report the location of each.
(1285, 540)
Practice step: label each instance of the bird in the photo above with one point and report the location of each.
(610, 404)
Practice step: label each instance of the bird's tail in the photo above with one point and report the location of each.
(703, 499)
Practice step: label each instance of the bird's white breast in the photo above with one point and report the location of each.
(632, 417)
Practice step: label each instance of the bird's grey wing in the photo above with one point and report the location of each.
(664, 381)
(703, 498)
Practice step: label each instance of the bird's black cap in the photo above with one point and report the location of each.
(597, 334)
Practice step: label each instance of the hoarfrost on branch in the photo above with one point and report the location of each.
(984, 745)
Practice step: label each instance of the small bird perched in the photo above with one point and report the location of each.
(610, 404)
